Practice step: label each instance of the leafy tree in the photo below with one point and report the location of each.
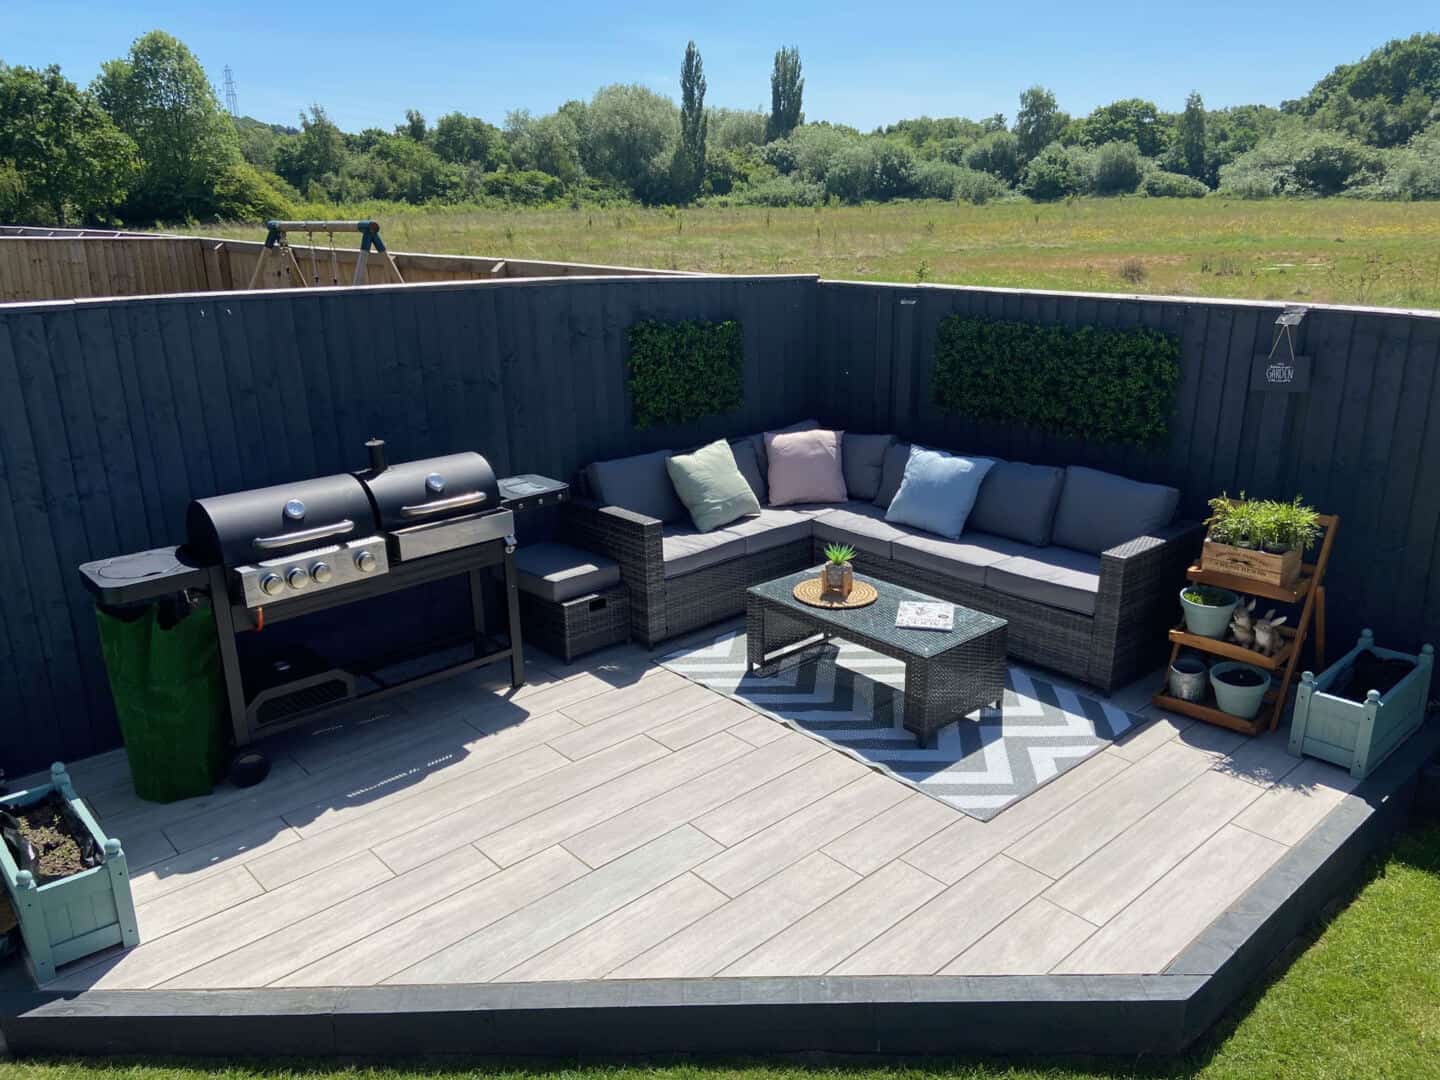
(160, 97)
(787, 88)
(1052, 174)
(62, 159)
(414, 126)
(1132, 120)
(1117, 169)
(1190, 137)
(687, 168)
(631, 136)
(552, 144)
(1302, 161)
(1383, 99)
(460, 139)
(319, 150)
(729, 129)
(998, 154)
(400, 168)
(1039, 121)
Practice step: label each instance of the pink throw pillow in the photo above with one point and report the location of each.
(805, 466)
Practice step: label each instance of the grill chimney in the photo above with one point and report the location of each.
(377, 455)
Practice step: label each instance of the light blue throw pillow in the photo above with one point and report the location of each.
(938, 491)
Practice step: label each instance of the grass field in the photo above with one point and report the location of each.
(1363, 1001)
(1331, 250)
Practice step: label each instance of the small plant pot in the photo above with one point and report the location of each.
(1239, 688)
(1188, 676)
(1275, 549)
(1208, 620)
(837, 579)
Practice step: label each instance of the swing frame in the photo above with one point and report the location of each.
(278, 244)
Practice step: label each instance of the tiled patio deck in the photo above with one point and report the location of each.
(612, 820)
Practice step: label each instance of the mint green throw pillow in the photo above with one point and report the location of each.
(711, 486)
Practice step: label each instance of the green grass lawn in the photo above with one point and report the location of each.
(1362, 1001)
(1316, 250)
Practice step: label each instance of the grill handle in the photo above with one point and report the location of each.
(470, 498)
(319, 532)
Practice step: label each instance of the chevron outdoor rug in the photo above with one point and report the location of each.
(853, 699)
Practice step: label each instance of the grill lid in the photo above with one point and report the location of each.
(266, 523)
(432, 489)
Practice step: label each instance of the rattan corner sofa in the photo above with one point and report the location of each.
(1098, 617)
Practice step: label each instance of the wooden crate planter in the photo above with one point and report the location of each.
(1359, 735)
(77, 915)
(1251, 563)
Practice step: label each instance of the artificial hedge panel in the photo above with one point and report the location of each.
(1103, 386)
(681, 371)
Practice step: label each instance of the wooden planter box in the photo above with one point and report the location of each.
(1252, 563)
(74, 916)
(1359, 735)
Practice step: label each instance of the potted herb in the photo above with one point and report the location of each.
(1291, 526)
(837, 576)
(1260, 539)
(1239, 688)
(1207, 609)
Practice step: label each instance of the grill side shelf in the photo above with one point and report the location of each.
(141, 576)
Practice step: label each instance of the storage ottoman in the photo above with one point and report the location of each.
(571, 601)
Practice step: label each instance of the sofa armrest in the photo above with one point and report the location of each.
(632, 540)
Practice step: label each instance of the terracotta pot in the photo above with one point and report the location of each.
(837, 580)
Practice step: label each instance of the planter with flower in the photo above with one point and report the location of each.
(837, 575)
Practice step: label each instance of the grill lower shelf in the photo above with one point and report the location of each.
(293, 700)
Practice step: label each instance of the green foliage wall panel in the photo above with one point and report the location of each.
(1104, 386)
(682, 371)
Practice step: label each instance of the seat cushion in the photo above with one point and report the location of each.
(640, 484)
(892, 472)
(965, 559)
(711, 487)
(747, 460)
(861, 525)
(804, 467)
(685, 550)
(1099, 510)
(863, 457)
(1018, 501)
(770, 528)
(559, 572)
(1054, 576)
(938, 491)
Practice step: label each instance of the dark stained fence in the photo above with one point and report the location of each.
(1363, 442)
(114, 413)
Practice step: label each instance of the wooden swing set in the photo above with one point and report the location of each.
(277, 244)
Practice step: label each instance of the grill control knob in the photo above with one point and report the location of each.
(272, 585)
(364, 562)
(298, 578)
(321, 573)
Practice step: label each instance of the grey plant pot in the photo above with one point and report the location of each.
(1187, 678)
(1241, 701)
(1205, 620)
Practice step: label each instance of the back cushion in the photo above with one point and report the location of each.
(747, 460)
(864, 460)
(1099, 510)
(759, 440)
(640, 483)
(1018, 501)
(805, 467)
(938, 491)
(892, 472)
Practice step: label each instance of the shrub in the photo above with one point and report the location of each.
(681, 371)
(849, 175)
(892, 170)
(1168, 185)
(1053, 174)
(1301, 161)
(1117, 169)
(1103, 386)
(997, 154)
(936, 179)
(244, 193)
(979, 187)
(1414, 171)
(780, 191)
(524, 187)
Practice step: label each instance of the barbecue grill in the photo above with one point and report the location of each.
(273, 554)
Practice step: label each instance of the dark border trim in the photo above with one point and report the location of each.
(1077, 1014)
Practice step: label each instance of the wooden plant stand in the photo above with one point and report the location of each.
(1308, 594)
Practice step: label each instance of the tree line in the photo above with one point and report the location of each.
(148, 142)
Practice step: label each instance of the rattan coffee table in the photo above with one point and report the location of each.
(948, 673)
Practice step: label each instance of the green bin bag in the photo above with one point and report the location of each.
(170, 699)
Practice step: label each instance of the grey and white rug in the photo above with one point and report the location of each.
(853, 699)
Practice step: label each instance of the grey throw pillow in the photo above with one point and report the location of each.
(747, 460)
(640, 484)
(1099, 510)
(864, 461)
(1018, 501)
(892, 472)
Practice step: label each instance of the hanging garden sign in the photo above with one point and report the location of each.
(1283, 369)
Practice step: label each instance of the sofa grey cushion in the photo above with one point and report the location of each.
(684, 550)
(892, 473)
(640, 484)
(770, 528)
(864, 461)
(1099, 510)
(747, 460)
(861, 525)
(1053, 576)
(559, 572)
(965, 559)
(1018, 501)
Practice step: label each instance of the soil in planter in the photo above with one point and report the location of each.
(1207, 596)
(1240, 677)
(1370, 672)
(46, 839)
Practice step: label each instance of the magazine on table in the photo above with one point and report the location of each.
(919, 615)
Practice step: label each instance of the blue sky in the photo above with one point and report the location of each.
(865, 64)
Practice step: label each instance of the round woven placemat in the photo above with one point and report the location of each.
(811, 592)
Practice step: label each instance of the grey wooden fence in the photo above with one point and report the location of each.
(1363, 442)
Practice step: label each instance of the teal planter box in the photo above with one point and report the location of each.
(1359, 736)
(74, 916)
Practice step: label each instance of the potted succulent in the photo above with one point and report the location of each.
(837, 576)
(1207, 609)
(1239, 688)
